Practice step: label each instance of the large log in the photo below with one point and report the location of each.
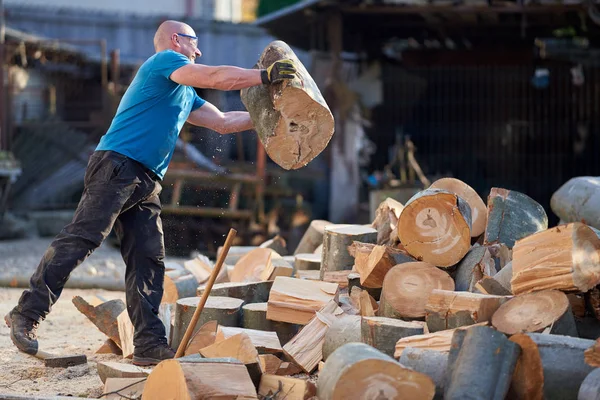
(590, 387)
(407, 287)
(429, 362)
(565, 257)
(578, 200)
(477, 264)
(104, 316)
(486, 354)
(448, 310)
(512, 216)
(435, 227)
(200, 379)
(179, 288)
(383, 333)
(249, 292)
(504, 276)
(344, 329)
(255, 317)
(386, 221)
(358, 371)
(336, 240)
(291, 118)
(466, 192)
(312, 238)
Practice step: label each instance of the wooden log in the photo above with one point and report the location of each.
(277, 267)
(288, 368)
(565, 257)
(291, 118)
(201, 379)
(250, 266)
(124, 388)
(590, 387)
(277, 244)
(269, 363)
(104, 316)
(592, 301)
(592, 354)
(358, 371)
(364, 303)
(386, 221)
(235, 253)
(225, 310)
(264, 342)
(307, 261)
(435, 227)
(577, 200)
(528, 377)
(344, 329)
(249, 292)
(504, 276)
(448, 310)
(380, 260)
(126, 331)
(383, 333)
(110, 369)
(336, 240)
(536, 312)
(429, 362)
(407, 287)
(296, 300)
(281, 387)
(207, 334)
(511, 216)
(179, 288)
(467, 193)
(255, 317)
(488, 285)
(476, 265)
(109, 347)
(486, 354)
(354, 282)
(166, 314)
(200, 266)
(312, 238)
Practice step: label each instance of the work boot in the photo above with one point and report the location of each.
(153, 356)
(23, 331)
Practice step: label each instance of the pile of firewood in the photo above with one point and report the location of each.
(442, 297)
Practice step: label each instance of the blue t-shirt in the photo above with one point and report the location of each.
(152, 113)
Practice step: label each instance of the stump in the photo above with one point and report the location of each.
(291, 118)
(435, 227)
(336, 240)
(386, 221)
(590, 387)
(466, 192)
(179, 288)
(429, 362)
(383, 333)
(512, 216)
(407, 287)
(344, 329)
(565, 257)
(536, 312)
(255, 317)
(307, 261)
(312, 238)
(249, 292)
(358, 371)
(578, 200)
(477, 264)
(225, 310)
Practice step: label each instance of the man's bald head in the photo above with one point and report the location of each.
(164, 34)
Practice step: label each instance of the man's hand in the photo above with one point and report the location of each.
(278, 71)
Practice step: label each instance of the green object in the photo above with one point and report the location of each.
(268, 6)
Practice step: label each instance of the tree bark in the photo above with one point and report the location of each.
(429, 362)
(383, 333)
(578, 199)
(386, 221)
(249, 292)
(255, 317)
(343, 330)
(313, 237)
(291, 118)
(110, 369)
(477, 264)
(336, 240)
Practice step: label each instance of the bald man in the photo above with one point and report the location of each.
(122, 185)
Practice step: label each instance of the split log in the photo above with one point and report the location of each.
(354, 282)
(548, 310)
(466, 192)
(577, 200)
(277, 267)
(250, 266)
(429, 362)
(565, 257)
(312, 238)
(504, 276)
(126, 331)
(448, 310)
(264, 342)
(358, 371)
(552, 366)
(166, 314)
(592, 301)
(109, 347)
(109, 369)
(207, 334)
(124, 388)
(179, 288)
(337, 239)
(225, 310)
(104, 316)
(282, 387)
(386, 221)
(235, 253)
(364, 303)
(485, 353)
(344, 329)
(380, 260)
(201, 379)
(292, 119)
(277, 244)
(476, 265)
(296, 300)
(590, 387)
(383, 333)
(288, 368)
(255, 317)
(249, 292)
(488, 285)
(435, 227)
(592, 355)
(200, 267)
(511, 216)
(269, 363)
(307, 261)
(407, 287)
(306, 348)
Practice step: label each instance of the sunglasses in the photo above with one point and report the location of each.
(194, 38)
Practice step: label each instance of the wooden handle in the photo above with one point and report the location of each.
(207, 289)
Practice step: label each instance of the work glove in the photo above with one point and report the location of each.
(278, 71)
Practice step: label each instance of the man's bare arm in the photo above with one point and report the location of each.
(211, 117)
(220, 77)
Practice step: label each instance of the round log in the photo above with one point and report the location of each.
(466, 192)
(225, 310)
(383, 333)
(407, 287)
(178, 288)
(590, 387)
(512, 216)
(255, 317)
(307, 261)
(249, 292)
(313, 237)
(578, 199)
(345, 329)
(429, 362)
(291, 118)
(336, 240)
(435, 227)
(534, 312)
(251, 265)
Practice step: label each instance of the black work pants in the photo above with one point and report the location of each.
(119, 192)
